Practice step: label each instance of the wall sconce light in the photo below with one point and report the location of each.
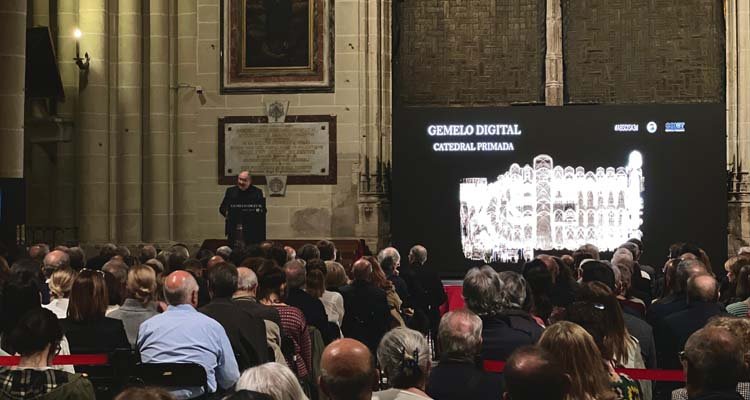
(82, 63)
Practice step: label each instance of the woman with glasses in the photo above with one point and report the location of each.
(36, 337)
(86, 327)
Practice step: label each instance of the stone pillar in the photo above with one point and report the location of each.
(184, 183)
(156, 146)
(40, 12)
(738, 121)
(93, 126)
(373, 222)
(554, 59)
(13, 59)
(129, 122)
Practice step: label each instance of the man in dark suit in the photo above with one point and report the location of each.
(244, 210)
(677, 300)
(366, 311)
(246, 333)
(673, 332)
(460, 341)
(425, 287)
(244, 297)
(312, 308)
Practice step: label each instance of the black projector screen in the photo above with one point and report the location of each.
(500, 185)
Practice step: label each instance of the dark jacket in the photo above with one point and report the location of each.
(104, 335)
(47, 384)
(314, 311)
(401, 289)
(246, 207)
(366, 313)
(251, 306)
(246, 333)
(665, 307)
(475, 384)
(503, 333)
(672, 332)
(426, 291)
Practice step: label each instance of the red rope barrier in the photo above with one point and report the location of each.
(664, 375)
(78, 359)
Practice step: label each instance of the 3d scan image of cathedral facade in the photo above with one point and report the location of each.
(547, 207)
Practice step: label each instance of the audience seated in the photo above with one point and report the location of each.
(271, 286)
(713, 364)
(366, 308)
(347, 371)
(273, 379)
(183, 335)
(404, 359)
(87, 328)
(741, 306)
(246, 333)
(532, 373)
(676, 298)
(504, 328)
(140, 304)
(390, 261)
(60, 285)
(37, 337)
(333, 303)
(460, 342)
(380, 280)
(311, 306)
(55, 260)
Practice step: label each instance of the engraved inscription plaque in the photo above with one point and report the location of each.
(302, 148)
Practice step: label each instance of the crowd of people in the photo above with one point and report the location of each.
(273, 322)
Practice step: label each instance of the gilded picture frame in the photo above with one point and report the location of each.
(277, 46)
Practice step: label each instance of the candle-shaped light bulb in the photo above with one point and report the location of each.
(77, 34)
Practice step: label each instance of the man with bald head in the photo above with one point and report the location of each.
(532, 373)
(460, 342)
(213, 261)
(244, 210)
(366, 310)
(183, 335)
(347, 371)
(672, 333)
(55, 260)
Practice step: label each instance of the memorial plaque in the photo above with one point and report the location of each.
(302, 148)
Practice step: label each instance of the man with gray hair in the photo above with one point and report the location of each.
(390, 261)
(183, 335)
(224, 251)
(676, 301)
(311, 307)
(460, 341)
(426, 291)
(244, 298)
(503, 330)
(366, 310)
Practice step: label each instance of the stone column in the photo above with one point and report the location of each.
(184, 184)
(156, 149)
(129, 122)
(373, 222)
(13, 59)
(93, 125)
(554, 59)
(738, 121)
(40, 12)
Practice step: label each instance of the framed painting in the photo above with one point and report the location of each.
(277, 46)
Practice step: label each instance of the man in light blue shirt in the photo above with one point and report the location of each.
(183, 335)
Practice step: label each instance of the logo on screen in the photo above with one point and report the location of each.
(651, 127)
(674, 127)
(626, 128)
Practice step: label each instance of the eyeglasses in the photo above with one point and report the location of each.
(682, 356)
(58, 348)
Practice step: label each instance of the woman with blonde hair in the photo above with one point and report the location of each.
(381, 281)
(60, 284)
(581, 359)
(140, 304)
